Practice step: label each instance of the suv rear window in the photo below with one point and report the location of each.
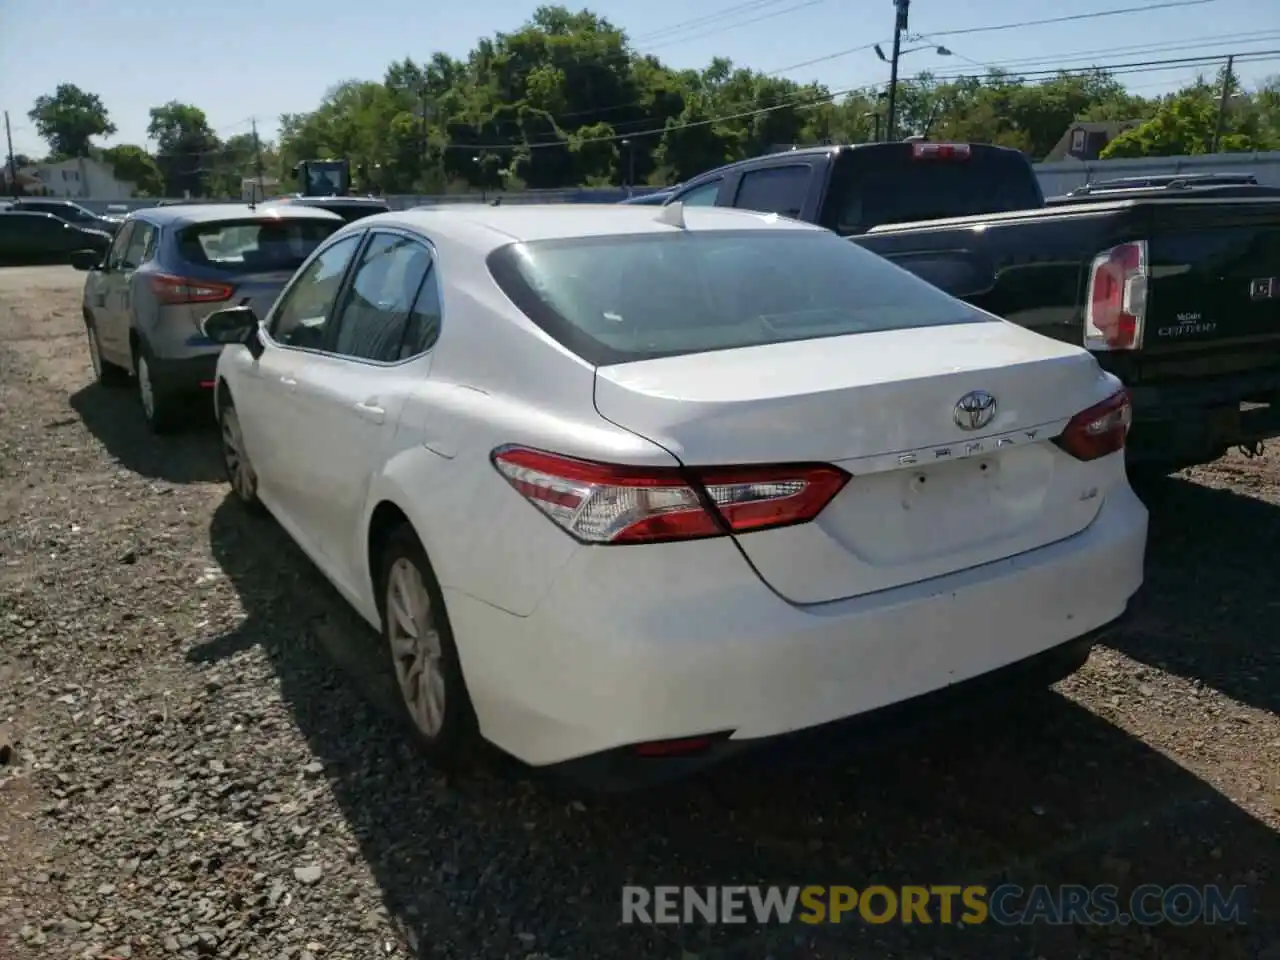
(252, 246)
(619, 299)
(887, 184)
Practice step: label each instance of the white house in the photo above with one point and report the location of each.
(79, 177)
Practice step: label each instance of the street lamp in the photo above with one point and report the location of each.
(940, 51)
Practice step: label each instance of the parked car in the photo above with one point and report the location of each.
(167, 269)
(27, 237)
(349, 209)
(71, 212)
(1177, 296)
(627, 491)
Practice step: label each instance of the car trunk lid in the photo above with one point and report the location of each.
(927, 497)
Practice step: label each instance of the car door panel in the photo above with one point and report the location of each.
(271, 417)
(112, 323)
(352, 398)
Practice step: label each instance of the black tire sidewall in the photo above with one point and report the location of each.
(164, 419)
(252, 503)
(454, 746)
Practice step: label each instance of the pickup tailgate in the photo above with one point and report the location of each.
(1214, 269)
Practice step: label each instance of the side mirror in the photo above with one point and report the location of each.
(86, 259)
(232, 325)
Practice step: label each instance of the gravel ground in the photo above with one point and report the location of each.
(192, 765)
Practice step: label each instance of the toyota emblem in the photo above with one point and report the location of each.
(975, 410)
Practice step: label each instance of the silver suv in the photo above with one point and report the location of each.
(168, 268)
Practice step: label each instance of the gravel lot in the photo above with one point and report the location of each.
(191, 764)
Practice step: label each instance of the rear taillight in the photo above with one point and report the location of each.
(1099, 430)
(1117, 303)
(606, 503)
(171, 290)
(941, 151)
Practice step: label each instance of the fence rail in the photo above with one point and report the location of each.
(1055, 179)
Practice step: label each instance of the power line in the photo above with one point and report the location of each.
(743, 23)
(1168, 4)
(698, 22)
(1017, 25)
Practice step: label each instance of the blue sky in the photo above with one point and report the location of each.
(241, 58)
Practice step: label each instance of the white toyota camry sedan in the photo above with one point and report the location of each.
(627, 489)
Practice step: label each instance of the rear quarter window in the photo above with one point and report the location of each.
(625, 298)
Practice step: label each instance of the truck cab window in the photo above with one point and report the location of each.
(779, 190)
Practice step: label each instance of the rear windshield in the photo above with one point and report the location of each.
(251, 246)
(888, 185)
(618, 299)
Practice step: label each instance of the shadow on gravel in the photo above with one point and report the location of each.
(189, 455)
(1210, 607)
(495, 866)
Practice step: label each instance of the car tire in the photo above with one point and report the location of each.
(104, 372)
(235, 460)
(159, 408)
(428, 673)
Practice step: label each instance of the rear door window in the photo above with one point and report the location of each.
(141, 245)
(253, 246)
(779, 190)
(378, 304)
(703, 195)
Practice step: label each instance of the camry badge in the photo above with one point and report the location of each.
(974, 410)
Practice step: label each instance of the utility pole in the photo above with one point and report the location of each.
(257, 160)
(1222, 105)
(13, 167)
(899, 28)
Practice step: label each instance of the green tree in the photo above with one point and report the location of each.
(186, 148)
(136, 166)
(69, 118)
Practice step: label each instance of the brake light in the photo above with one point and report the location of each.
(941, 151)
(1099, 430)
(1117, 306)
(173, 290)
(607, 503)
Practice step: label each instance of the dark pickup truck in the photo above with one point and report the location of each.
(1177, 296)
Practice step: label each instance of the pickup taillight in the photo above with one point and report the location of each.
(1116, 309)
(940, 151)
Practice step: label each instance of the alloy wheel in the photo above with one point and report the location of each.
(415, 647)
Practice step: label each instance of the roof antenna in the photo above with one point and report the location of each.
(672, 214)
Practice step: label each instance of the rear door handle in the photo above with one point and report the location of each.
(370, 410)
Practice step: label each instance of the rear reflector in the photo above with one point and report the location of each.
(607, 503)
(1099, 430)
(685, 747)
(171, 290)
(941, 151)
(207, 384)
(1116, 308)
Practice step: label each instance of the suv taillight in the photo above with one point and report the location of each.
(171, 290)
(605, 503)
(1099, 430)
(940, 151)
(1117, 304)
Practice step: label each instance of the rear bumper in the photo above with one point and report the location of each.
(185, 374)
(634, 645)
(1195, 421)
